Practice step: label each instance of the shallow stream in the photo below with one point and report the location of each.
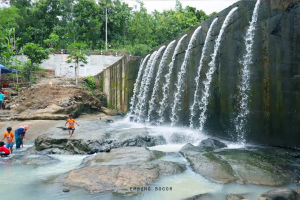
(29, 182)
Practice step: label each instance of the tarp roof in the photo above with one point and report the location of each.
(6, 70)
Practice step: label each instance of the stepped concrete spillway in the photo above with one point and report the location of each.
(273, 93)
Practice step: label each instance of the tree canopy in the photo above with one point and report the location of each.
(58, 23)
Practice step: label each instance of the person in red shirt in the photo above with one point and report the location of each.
(4, 151)
(1, 91)
(71, 126)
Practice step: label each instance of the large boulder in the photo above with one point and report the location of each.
(33, 160)
(280, 194)
(243, 166)
(212, 143)
(208, 165)
(120, 170)
(101, 142)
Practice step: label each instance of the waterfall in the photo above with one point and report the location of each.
(244, 87)
(144, 98)
(181, 80)
(143, 82)
(163, 62)
(212, 67)
(136, 84)
(196, 95)
(166, 87)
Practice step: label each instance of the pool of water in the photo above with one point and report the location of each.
(29, 182)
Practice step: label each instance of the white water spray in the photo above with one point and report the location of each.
(212, 67)
(166, 87)
(144, 98)
(197, 79)
(136, 85)
(181, 80)
(143, 82)
(244, 87)
(163, 63)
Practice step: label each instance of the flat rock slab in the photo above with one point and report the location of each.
(120, 169)
(280, 194)
(30, 160)
(97, 141)
(243, 166)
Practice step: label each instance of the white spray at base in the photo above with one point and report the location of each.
(144, 97)
(142, 87)
(166, 87)
(136, 85)
(163, 63)
(196, 94)
(244, 87)
(181, 80)
(212, 67)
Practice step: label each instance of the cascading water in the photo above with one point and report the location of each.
(136, 85)
(181, 80)
(244, 87)
(143, 82)
(143, 108)
(212, 67)
(166, 87)
(163, 63)
(196, 95)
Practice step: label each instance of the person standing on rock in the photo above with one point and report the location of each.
(19, 133)
(9, 135)
(71, 121)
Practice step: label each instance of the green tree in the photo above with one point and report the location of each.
(36, 54)
(52, 41)
(77, 55)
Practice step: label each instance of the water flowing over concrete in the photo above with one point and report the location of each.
(144, 99)
(196, 95)
(137, 84)
(212, 67)
(166, 86)
(142, 87)
(244, 87)
(163, 63)
(181, 80)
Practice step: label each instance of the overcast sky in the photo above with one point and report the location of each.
(208, 6)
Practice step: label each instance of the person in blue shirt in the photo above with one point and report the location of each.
(19, 133)
(2, 96)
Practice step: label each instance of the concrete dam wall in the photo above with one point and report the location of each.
(273, 85)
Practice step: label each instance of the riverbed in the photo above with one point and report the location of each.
(28, 182)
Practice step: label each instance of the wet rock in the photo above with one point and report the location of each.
(280, 194)
(179, 138)
(66, 190)
(205, 196)
(120, 170)
(207, 164)
(109, 111)
(37, 160)
(243, 166)
(234, 197)
(158, 154)
(213, 143)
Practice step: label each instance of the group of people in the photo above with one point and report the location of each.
(19, 135)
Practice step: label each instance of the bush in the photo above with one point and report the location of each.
(90, 82)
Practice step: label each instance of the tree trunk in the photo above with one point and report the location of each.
(30, 72)
(76, 73)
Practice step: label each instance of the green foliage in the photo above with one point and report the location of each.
(59, 23)
(52, 41)
(90, 82)
(77, 54)
(36, 54)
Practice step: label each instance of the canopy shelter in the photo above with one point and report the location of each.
(4, 70)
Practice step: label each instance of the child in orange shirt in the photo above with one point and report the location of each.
(71, 126)
(9, 135)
